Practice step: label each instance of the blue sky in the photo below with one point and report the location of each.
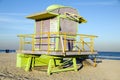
(103, 18)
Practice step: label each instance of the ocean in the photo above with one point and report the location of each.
(7, 51)
(109, 55)
(101, 55)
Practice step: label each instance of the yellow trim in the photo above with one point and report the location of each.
(41, 16)
(41, 27)
(33, 47)
(75, 17)
(80, 43)
(34, 33)
(58, 27)
(48, 42)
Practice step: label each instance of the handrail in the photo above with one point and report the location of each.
(26, 35)
(61, 36)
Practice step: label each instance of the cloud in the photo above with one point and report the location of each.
(14, 20)
(14, 14)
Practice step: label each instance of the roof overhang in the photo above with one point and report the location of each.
(41, 16)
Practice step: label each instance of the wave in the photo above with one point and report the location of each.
(109, 57)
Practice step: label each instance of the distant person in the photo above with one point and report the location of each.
(7, 50)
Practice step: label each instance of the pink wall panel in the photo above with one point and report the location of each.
(67, 25)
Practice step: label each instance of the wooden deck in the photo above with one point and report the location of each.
(59, 53)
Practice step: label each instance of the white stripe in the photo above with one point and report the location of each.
(108, 57)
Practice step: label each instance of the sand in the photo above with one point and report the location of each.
(105, 70)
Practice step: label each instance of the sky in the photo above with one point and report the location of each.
(103, 20)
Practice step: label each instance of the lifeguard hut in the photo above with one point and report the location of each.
(54, 39)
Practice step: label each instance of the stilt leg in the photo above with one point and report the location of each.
(49, 67)
(33, 62)
(28, 64)
(74, 64)
(95, 64)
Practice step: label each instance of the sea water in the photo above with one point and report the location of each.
(109, 55)
(8, 51)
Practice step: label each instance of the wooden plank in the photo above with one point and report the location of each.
(45, 44)
(58, 53)
(52, 36)
(63, 49)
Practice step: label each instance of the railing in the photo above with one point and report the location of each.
(23, 41)
(68, 41)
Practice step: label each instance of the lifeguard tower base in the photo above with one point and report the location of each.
(55, 42)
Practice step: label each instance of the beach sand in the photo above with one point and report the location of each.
(105, 70)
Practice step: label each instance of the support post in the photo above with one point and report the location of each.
(48, 42)
(82, 43)
(63, 49)
(74, 64)
(92, 44)
(65, 42)
(27, 68)
(95, 64)
(33, 47)
(33, 62)
(49, 67)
